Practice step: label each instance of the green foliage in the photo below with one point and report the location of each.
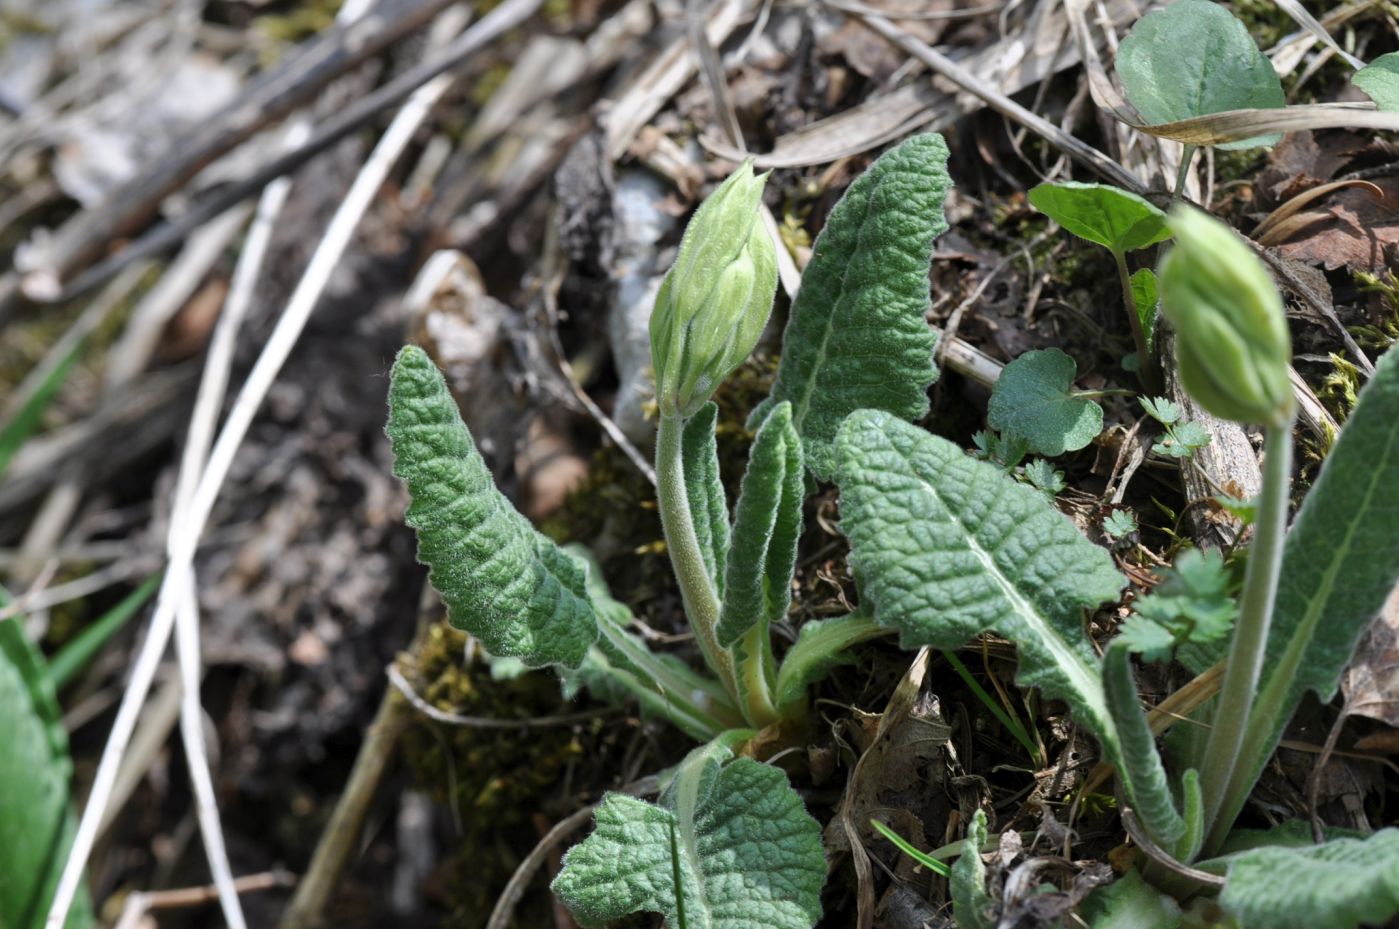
(1119, 524)
(909, 849)
(1044, 477)
(1380, 81)
(1144, 300)
(971, 904)
(1193, 58)
(1034, 399)
(1192, 604)
(857, 337)
(503, 581)
(36, 823)
(1130, 903)
(21, 426)
(746, 851)
(1339, 884)
(767, 527)
(1116, 219)
(1184, 437)
(1004, 450)
(709, 507)
(945, 547)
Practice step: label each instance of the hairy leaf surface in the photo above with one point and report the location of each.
(1034, 399)
(1339, 884)
(747, 853)
(1194, 58)
(971, 904)
(709, 508)
(1340, 561)
(503, 581)
(1116, 219)
(945, 547)
(767, 526)
(857, 337)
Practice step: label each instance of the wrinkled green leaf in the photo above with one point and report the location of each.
(971, 904)
(1380, 81)
(1145, 299)
(945, 547)
(1116, 219)
(857, 337)
(747, 853)
(503, 581)
(767, 527)
(36, 823)
(709, 507)
(1339, 884)
(1194, 58)
(1034, 399)
(1340, 562)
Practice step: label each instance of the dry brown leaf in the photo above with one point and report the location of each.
(1354, 229)
(1371, 683)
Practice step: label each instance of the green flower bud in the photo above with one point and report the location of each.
(1232, 344)
(715, 301)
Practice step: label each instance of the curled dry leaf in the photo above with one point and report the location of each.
(1353, 228)
(1371, 683)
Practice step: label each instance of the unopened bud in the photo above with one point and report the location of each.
(715, 301)
(1233, 349)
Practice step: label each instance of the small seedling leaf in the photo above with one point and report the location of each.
(1145, 299)
(857, 337)
(971, 904)
(1192, 604)
(1339, 884)
(1034, 399)
(1193, 58)
(1116, 219)
(945, 547)
(1380, 81)
(746, 851)
(502, 581)
(1131, 902)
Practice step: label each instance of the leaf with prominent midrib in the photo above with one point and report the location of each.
(1380, 81)
(945, 547)
(1193, 58)
(1339, 884)
(857, 337)
(503, 581)
(1339, 563)
(746, 851)
(1116, 219)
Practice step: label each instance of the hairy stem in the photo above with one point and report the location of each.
(686, 557)
(1250, 641)
(1146, 365)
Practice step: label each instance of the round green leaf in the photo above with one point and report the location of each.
(1115, 219)
(1034, 399)
(1194, 58)
(1380, 81)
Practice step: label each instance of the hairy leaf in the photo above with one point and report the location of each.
(945, 547)
(1339, 564)
(1116, 219)
(971, 904)
(503, 581)
(709, 508)
(821, 645)
(36, 823)
(1380, 81)
(1193, 58)
(857, 337)
(767, 526)
(1339, 884)
(1130, 903)
(1034, 399)
(746, 851)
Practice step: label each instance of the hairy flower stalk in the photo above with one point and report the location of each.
(709, 314)
(1233, 350)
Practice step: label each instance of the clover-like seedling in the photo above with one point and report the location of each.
(1121, 222)
(1194, 58)
(1380, 81)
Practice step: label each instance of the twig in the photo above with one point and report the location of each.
(274, 355)
(267, 99)
(140, 903)
(503, 18)
(397, 679)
